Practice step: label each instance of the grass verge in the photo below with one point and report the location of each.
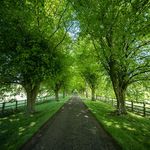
(16, 129)
(131, 131)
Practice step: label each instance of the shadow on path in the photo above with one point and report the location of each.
(73, 128)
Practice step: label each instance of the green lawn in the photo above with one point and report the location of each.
(131, 131)
(18, 128)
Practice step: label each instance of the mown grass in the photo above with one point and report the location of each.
(131, 131)
(16, 129)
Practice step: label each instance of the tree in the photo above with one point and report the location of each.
(119, 31)
(87, 65)
(76, 82)
(31, 31)
(60, 73)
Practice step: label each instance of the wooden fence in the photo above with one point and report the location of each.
(140, 108)
(15, 105)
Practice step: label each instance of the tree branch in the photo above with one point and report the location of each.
(63, 37)
(58, 24)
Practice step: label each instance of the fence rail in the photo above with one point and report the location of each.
(140, 108)
(15, 105)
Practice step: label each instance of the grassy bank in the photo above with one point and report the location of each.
(131, 131)
(18, 128)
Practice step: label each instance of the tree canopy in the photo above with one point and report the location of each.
(75, 43)
(119, 31)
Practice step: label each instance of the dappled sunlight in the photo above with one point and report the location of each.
(117, 123)
(18, 127)
(3, 131)
(31, 115)
(130, 129)
(32, 124)
(93, 130)
(108, 123)
(85, 116)
(11, 120)
(13, 115)
(5, 118)
(117, 126)
(20, 133)
(78, 114)
(90, 108)
(126, 129)
(21, 130)
(14, 119)
(83, 111)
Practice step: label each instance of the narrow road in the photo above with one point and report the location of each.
(73, 128)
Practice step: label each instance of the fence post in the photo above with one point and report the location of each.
(16, 105)
(132, 105)
(3, 107)
(144, 112)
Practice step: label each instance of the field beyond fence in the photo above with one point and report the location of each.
(140, 108)
(14, 105)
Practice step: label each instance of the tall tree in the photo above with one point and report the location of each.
(31, 31)
(60, 73)
(87, 65)
(120, 34)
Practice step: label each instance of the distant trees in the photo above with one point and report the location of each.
(87, 65)
(60, 74)
(138, 91)
(119, 31)
(77, 83)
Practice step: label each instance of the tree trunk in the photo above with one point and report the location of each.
(86, 89)
(32, 92)
(121, 100)
(56, 90)
(120, 96)
(64, 93)
(86, 94)
(56, 95)
(119, 90)
(93, 93)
